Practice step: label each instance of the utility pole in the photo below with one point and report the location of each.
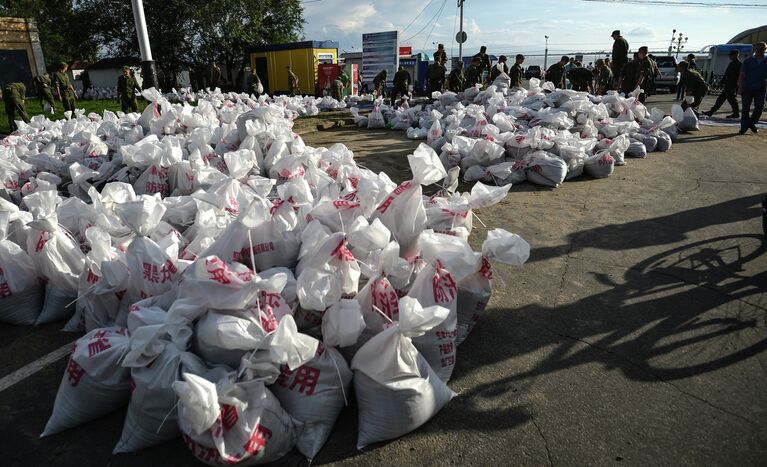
(148, 70)
(460, 29)
(546, 54)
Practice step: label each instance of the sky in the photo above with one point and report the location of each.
(511, 27)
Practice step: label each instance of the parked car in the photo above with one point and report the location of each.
(533, 71)
(668, 74)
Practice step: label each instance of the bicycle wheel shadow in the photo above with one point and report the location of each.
(687, 311)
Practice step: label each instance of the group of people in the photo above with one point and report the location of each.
(48, 87)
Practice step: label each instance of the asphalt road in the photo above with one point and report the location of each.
(635, 335)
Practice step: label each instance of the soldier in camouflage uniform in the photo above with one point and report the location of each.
(14, 97)
(456, 82)
(694, 85)
(603, 78)
(44, 93)
(646, 72)
(435, 77)
(63, 88)
(517, 73)
(499, 67)
(127, 91)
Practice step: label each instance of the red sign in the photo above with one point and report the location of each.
(406, 50)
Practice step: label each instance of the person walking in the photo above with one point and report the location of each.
(292, 82)
(484, 61)
(456, 82)
(14, 97)
(400, 83)
(379, 83)
(517, 72)
(440, 54)
(500, 67)
(752, 87)
(63, 88)
(620, 54)
(694, 84)
(556, 72)
(729, 84)
(127, 91)
(44, 93)
(691, 65)
(603, 77)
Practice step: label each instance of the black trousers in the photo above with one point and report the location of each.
(728, 94)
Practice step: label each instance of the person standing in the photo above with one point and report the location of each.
(484, 61)
(729, 84)
(440, 54)
(127, 91)
(63, 88)
(500, 67)
(603, 77)
(694, 85)
(627, 81)
(14, 97)
(752, 87)
(517, 72)
(435, 77)
(292, 82)
(456, 82)
(556, 72)
(620, 54)
(214, 76)
(400, 83)
(646, 72)
(44, 93)
(379, 83)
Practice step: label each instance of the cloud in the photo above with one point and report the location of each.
(641, 32)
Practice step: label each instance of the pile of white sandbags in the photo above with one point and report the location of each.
(505, 135)
(235, 283)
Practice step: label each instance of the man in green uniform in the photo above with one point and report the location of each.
(254, 84)
(499, 67)
(646, 71)
(729, 84)
(603, 76)
(620, 55)
(456, 82)
(556, 72)
(581, 79)
(474, 73)
(379, 83)
(517, 73)
(345, 81)
(44, 93)
(127, 90)
(627, 82)
(435, 77)
(484, 61)
(63, 88)
(292, 82)
(694, 85)
(440, 54)
(401, 82)
(13, 97)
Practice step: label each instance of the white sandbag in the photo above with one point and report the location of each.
(396, 389)
(600, 165)
(94, 383)
(637, 149)
(376, 118)
(342, 323)
(546, 169)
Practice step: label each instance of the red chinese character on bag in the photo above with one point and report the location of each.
(150, 273)
(486, 269)
(229, 416)
(98, 344)
(258, 440)
(5, 290)
(444, 286)
(74, 372)
(167, 270)
(307, 377)
(218, 271)
(92, 278)
(446, 349)
(342, 253)
(41, 242)
(284, 377)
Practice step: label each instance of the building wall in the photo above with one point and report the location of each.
(18, 34)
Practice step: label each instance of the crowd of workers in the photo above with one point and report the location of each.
(637, 76)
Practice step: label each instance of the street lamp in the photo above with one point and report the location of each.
(546, 54)
(680, 40)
